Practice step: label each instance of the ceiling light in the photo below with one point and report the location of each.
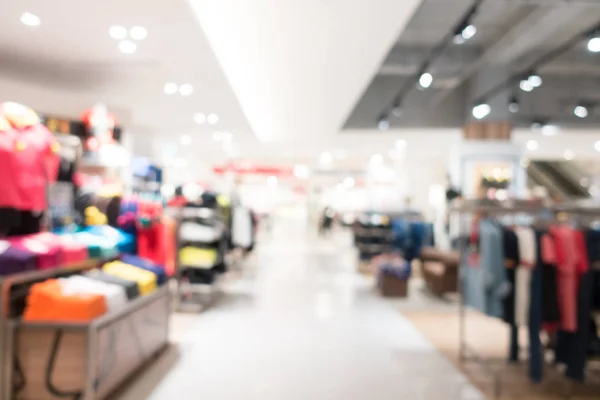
(535, 80)
(383, 124)
(585, 182)
(526, 86)
(170, 88)
(532, 145)
(397, 110)
(376, 159)
(481, 111)
(138, 33)
(186, 89)
(581, 111)
(127, 47)
(597, 145)
(325, 159)
(401, 144)
(513, 105)
(458, 39)
(212, 118)
(469, 31)
(426, 80)
(594, 44)
(549, 130)
(525, 162)
(186, 140)
(568, 155)
(199, 118)
(301, 171)
(118, 32)
(30, 19)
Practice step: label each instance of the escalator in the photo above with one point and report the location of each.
(561, 178)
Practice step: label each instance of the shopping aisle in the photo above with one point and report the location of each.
(303, 325)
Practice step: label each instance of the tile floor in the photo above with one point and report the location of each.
(300, 324)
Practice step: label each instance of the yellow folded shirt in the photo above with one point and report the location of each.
(146, 280)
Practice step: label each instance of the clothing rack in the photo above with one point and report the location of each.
(206, 294)
(587, 208)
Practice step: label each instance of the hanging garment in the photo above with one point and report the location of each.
(527, 262)
(550, 303)
(492, 262)
(241, 234)
(567, 258)
(534, 321)
(593, 246)
(511, 260)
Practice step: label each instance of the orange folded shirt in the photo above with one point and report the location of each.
(47, 302)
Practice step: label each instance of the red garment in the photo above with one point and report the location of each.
(568, 260)
(28, 161)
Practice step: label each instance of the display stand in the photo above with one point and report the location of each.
(94, 358)
(6, 284)
(91, 349)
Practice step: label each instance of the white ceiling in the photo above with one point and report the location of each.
(287, 71)
(70, 62)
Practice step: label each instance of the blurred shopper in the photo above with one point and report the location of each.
(326, 221)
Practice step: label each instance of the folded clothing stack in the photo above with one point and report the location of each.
(72, 251)
(146, 280)
(98, 247)
(131, 288)
(47, 255)
(125, 242)
(47, 301)
(14, 260)
(158, 270)
(392, 265)
(114, 295)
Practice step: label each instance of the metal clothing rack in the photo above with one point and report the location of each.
(207, 294)
(586, 208)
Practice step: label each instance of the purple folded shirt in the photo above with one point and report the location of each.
(14, 260)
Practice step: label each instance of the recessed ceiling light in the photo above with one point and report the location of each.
(199, 118)
(186, 89)
(118, 32)
(569, 155)
(400, 144)
(469, 31)
(426, 80)
(549, 130)
(186, 140)
(30, 19)
(127, 47)
(212, 118)
(170, 88)
(138, 33)
(532, 145)
(581, 111)
(597, 145)
(594, 45)
(526, 85)
(481, 111)
(535, 80)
